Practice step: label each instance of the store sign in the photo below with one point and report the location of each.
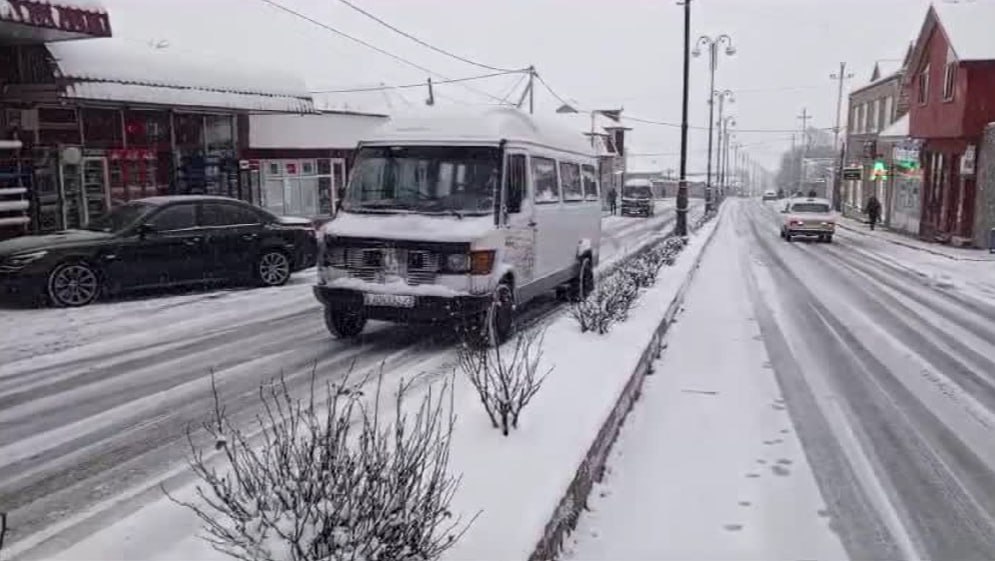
(243, 165)
(967, 161)
(131, 154)
(853, 173)
(65, 18)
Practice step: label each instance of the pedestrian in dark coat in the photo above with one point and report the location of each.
(613, 199)
(873, 210)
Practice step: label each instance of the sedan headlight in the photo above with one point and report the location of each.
(21, 260)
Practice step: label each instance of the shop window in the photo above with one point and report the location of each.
(219, 134)
(189, 131)
(573, 190)
(102, 128)
(949, 81)
(57, 125)
(147, 129)
(922, 91)
(545, 181)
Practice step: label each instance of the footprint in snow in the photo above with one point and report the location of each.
(733, 527)
(785, 431)
(761, 461)
(780, 470)
(752, 475)
(745, 503)
(824, 513)
(777, 407)
(785, 462)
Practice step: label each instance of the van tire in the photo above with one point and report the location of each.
(497, 324)
(344, 324)
(582, 286)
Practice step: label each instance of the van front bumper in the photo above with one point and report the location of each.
(426, 309)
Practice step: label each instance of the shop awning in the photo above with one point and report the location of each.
(40, 21)
(116, 70)
(898, 129)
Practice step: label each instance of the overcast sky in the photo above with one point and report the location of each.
(599, 54)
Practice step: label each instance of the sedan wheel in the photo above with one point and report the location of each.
(273, 268)
(73, 285)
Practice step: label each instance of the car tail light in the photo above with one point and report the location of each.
(481, 262)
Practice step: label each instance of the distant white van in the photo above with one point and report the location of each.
(456, 217)
(637, 198)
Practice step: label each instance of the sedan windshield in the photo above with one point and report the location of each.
(816, 208)
(637, 192)
(120, 218)
(431, 179)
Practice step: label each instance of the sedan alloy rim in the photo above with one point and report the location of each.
(274, 268)
(74, 285)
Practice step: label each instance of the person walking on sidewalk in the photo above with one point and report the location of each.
(613, 200)
(873, 210)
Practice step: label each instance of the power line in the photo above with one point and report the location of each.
(550, 90)
(413, 85)
(366, 44)
(423, 43)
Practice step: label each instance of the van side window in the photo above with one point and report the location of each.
(573, 191)
(517, 183)
(590, 183)
(547, 188)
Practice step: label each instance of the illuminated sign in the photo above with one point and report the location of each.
(880, 171)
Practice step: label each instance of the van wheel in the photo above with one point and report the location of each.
(582, 286)
(497, 324)
(344, 324)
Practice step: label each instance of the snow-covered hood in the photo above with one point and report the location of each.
(50, 241)
(417, 227)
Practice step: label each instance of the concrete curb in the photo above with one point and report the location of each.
(591, 470)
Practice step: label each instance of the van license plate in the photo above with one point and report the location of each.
(390, 300)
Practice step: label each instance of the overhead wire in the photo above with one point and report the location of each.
(368, 45)
(425, 43)
(414, 84)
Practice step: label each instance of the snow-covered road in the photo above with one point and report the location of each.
(95, 402)
(850, 412)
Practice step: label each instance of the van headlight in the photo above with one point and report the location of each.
(458, 262)
(477, 262)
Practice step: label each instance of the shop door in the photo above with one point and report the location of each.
(96, 194)
(338, 182)
(71, 195)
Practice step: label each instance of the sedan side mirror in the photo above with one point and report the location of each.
(146, 230)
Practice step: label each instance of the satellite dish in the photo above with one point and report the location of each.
(72, 155)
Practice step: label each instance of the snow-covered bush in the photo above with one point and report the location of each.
(608, 303)
(506, 381)
(331, 481)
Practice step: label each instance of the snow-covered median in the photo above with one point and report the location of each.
(520, 484)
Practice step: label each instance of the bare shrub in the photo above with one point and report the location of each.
(505, 382)
(608, 303)
(331, 481)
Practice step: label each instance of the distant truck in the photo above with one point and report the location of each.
(637, 198)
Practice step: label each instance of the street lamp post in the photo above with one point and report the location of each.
(725, 136)
(713, 44)
(681, 227)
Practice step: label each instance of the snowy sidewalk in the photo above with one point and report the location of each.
(955, 253)
(708, 465)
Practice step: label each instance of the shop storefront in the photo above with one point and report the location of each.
(90, 143)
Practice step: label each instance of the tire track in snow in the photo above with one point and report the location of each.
(943, 491)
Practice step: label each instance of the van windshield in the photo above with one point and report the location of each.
(637, 192)
(430, 179)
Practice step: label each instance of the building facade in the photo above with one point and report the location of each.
(951, 80)
(872, 109)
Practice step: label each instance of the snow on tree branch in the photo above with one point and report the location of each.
(331, 481)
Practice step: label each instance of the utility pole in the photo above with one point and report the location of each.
(681, 228)
(713, 45)
(804, 118)
(532, 81)
(722, 97)
(431, 93)
(837, 179)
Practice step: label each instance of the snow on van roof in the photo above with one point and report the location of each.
(486, 126)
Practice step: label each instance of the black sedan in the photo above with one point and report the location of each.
(158, 242)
